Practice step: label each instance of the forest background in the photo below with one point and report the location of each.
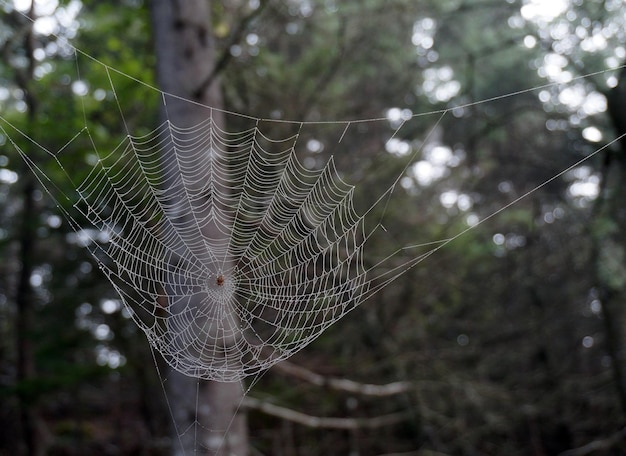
(510, 340)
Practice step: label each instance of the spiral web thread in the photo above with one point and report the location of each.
(230, 254)
(246, 256)
(227, 251)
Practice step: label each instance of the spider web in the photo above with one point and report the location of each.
(243, 258)
(229, 253)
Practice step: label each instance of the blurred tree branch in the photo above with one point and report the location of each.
(342, 384)
(226, 55)
(323, 422)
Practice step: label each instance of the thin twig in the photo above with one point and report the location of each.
(342, 384)
(319, 422)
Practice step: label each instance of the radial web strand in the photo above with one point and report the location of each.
(271, 249)
(228, 252)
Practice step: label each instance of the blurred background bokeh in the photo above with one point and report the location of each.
(508, 341)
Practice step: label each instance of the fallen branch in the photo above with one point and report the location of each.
(342, 384)
(318, 422)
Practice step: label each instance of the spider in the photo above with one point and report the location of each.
(220, 280)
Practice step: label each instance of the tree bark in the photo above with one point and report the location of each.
(610, 205)
(25, 359)
(34, 443)
(206, 414)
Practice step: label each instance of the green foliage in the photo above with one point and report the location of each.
(65, 353)
(490, 335)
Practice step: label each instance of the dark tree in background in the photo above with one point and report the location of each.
(186, 67)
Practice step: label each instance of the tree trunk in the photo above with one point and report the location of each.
(205, 414)
(33, 440)
(611, 206)
(33, 445)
